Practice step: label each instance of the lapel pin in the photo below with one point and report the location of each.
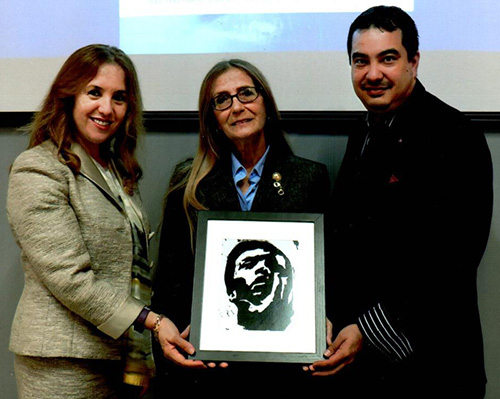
(277, 184)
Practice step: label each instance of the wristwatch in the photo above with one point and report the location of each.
(141, 319)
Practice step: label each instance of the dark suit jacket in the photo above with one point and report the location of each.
(412, 218)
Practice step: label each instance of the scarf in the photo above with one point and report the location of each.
(138, 359)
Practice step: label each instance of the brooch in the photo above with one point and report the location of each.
(277, 184)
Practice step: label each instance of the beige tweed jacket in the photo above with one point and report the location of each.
(76, 253)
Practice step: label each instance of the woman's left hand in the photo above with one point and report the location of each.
(175, 346)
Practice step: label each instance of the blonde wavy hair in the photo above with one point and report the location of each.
(214, 145)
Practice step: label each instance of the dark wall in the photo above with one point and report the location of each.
(168, 142)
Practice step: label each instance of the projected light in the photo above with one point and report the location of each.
(212, 26)
(139, 8)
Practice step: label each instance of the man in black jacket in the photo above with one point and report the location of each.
(411, 216)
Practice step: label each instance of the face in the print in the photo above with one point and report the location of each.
(259, 280)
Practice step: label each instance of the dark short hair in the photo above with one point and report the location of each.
(248, 245)
(388, 18)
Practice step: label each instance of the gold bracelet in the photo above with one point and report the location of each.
(156, 328)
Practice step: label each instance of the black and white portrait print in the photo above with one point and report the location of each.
(255, 291)
(259, 282)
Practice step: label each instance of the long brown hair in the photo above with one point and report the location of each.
(55, 122)
(213, 145)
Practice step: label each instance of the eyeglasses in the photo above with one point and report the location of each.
(224, 101)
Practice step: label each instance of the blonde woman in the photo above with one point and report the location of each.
(243, 163)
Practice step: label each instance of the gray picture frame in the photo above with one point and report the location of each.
(223, 326)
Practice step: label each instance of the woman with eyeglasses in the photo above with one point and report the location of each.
(243, 162)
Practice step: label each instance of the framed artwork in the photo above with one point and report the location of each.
(259, 287)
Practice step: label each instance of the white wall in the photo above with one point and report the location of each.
(301, 81)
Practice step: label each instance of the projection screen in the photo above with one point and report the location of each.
(300, 45)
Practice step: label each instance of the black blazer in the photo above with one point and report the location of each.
(412, 217)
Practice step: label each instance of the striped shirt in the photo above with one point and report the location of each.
(377, 327)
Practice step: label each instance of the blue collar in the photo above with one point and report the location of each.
(239, 173)
(238, 168)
